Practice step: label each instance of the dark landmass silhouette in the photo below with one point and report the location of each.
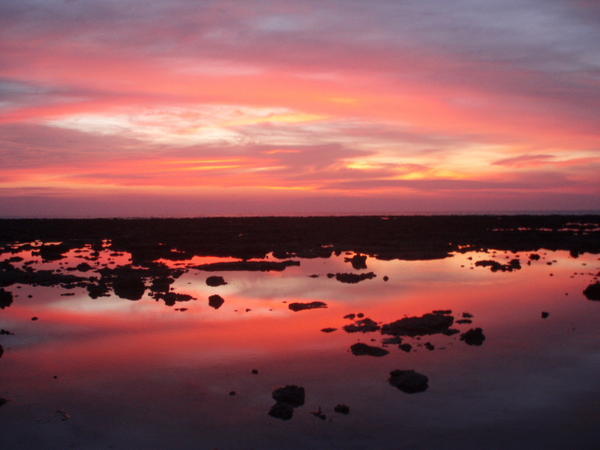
(252, 240)
(402, 237)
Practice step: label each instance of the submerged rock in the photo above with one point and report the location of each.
(215, 281)
(342, 409)
(215, 301)
(281, 411)
(416, 326)
(360, 349)
(302, 306)
(474, 336)
(408, 381)
(319, 414)
(592, 292)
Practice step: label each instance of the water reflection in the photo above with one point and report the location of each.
(130, 351)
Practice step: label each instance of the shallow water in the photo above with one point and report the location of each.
(115, 373)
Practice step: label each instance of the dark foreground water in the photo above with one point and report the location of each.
(111, 341)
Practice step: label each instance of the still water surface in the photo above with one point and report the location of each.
(115, 373)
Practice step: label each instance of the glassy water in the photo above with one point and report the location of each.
(175, 372)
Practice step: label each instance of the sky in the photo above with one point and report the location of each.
(273, 107)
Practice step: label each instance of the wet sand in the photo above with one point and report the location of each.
(186, 333)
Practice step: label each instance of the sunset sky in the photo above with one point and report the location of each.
(192, 107)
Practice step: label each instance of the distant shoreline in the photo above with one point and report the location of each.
(324, 215)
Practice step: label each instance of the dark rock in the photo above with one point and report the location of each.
(365, 325)
(254, 371)
(463, 321)
(170, 298)
(386, 278)
(39, 277)
(128, 284)
(353, 278)
(34, 318)
(534, 257)
(215, 301)
(1, 351)
(161, 284)
(328, 330)
(83, 267)
(392, 340)
(6, 298)
(3, 401)
(98, 290)
(358, 261)
(342, 409)
(450, 331)
(416, 326)
(52, 252)
(405, 347)
(302, 306)
(262, 266)
(429, 346)
(281, 411)
(6, 332)
(467, 315)
(360, 349)
(408, 381)
(592, 292)
(232, 393)
(291, 395)
(350, 316)
(443, 312)
(545, 314)
(474, 336)
(215, 281)
(495, 266)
